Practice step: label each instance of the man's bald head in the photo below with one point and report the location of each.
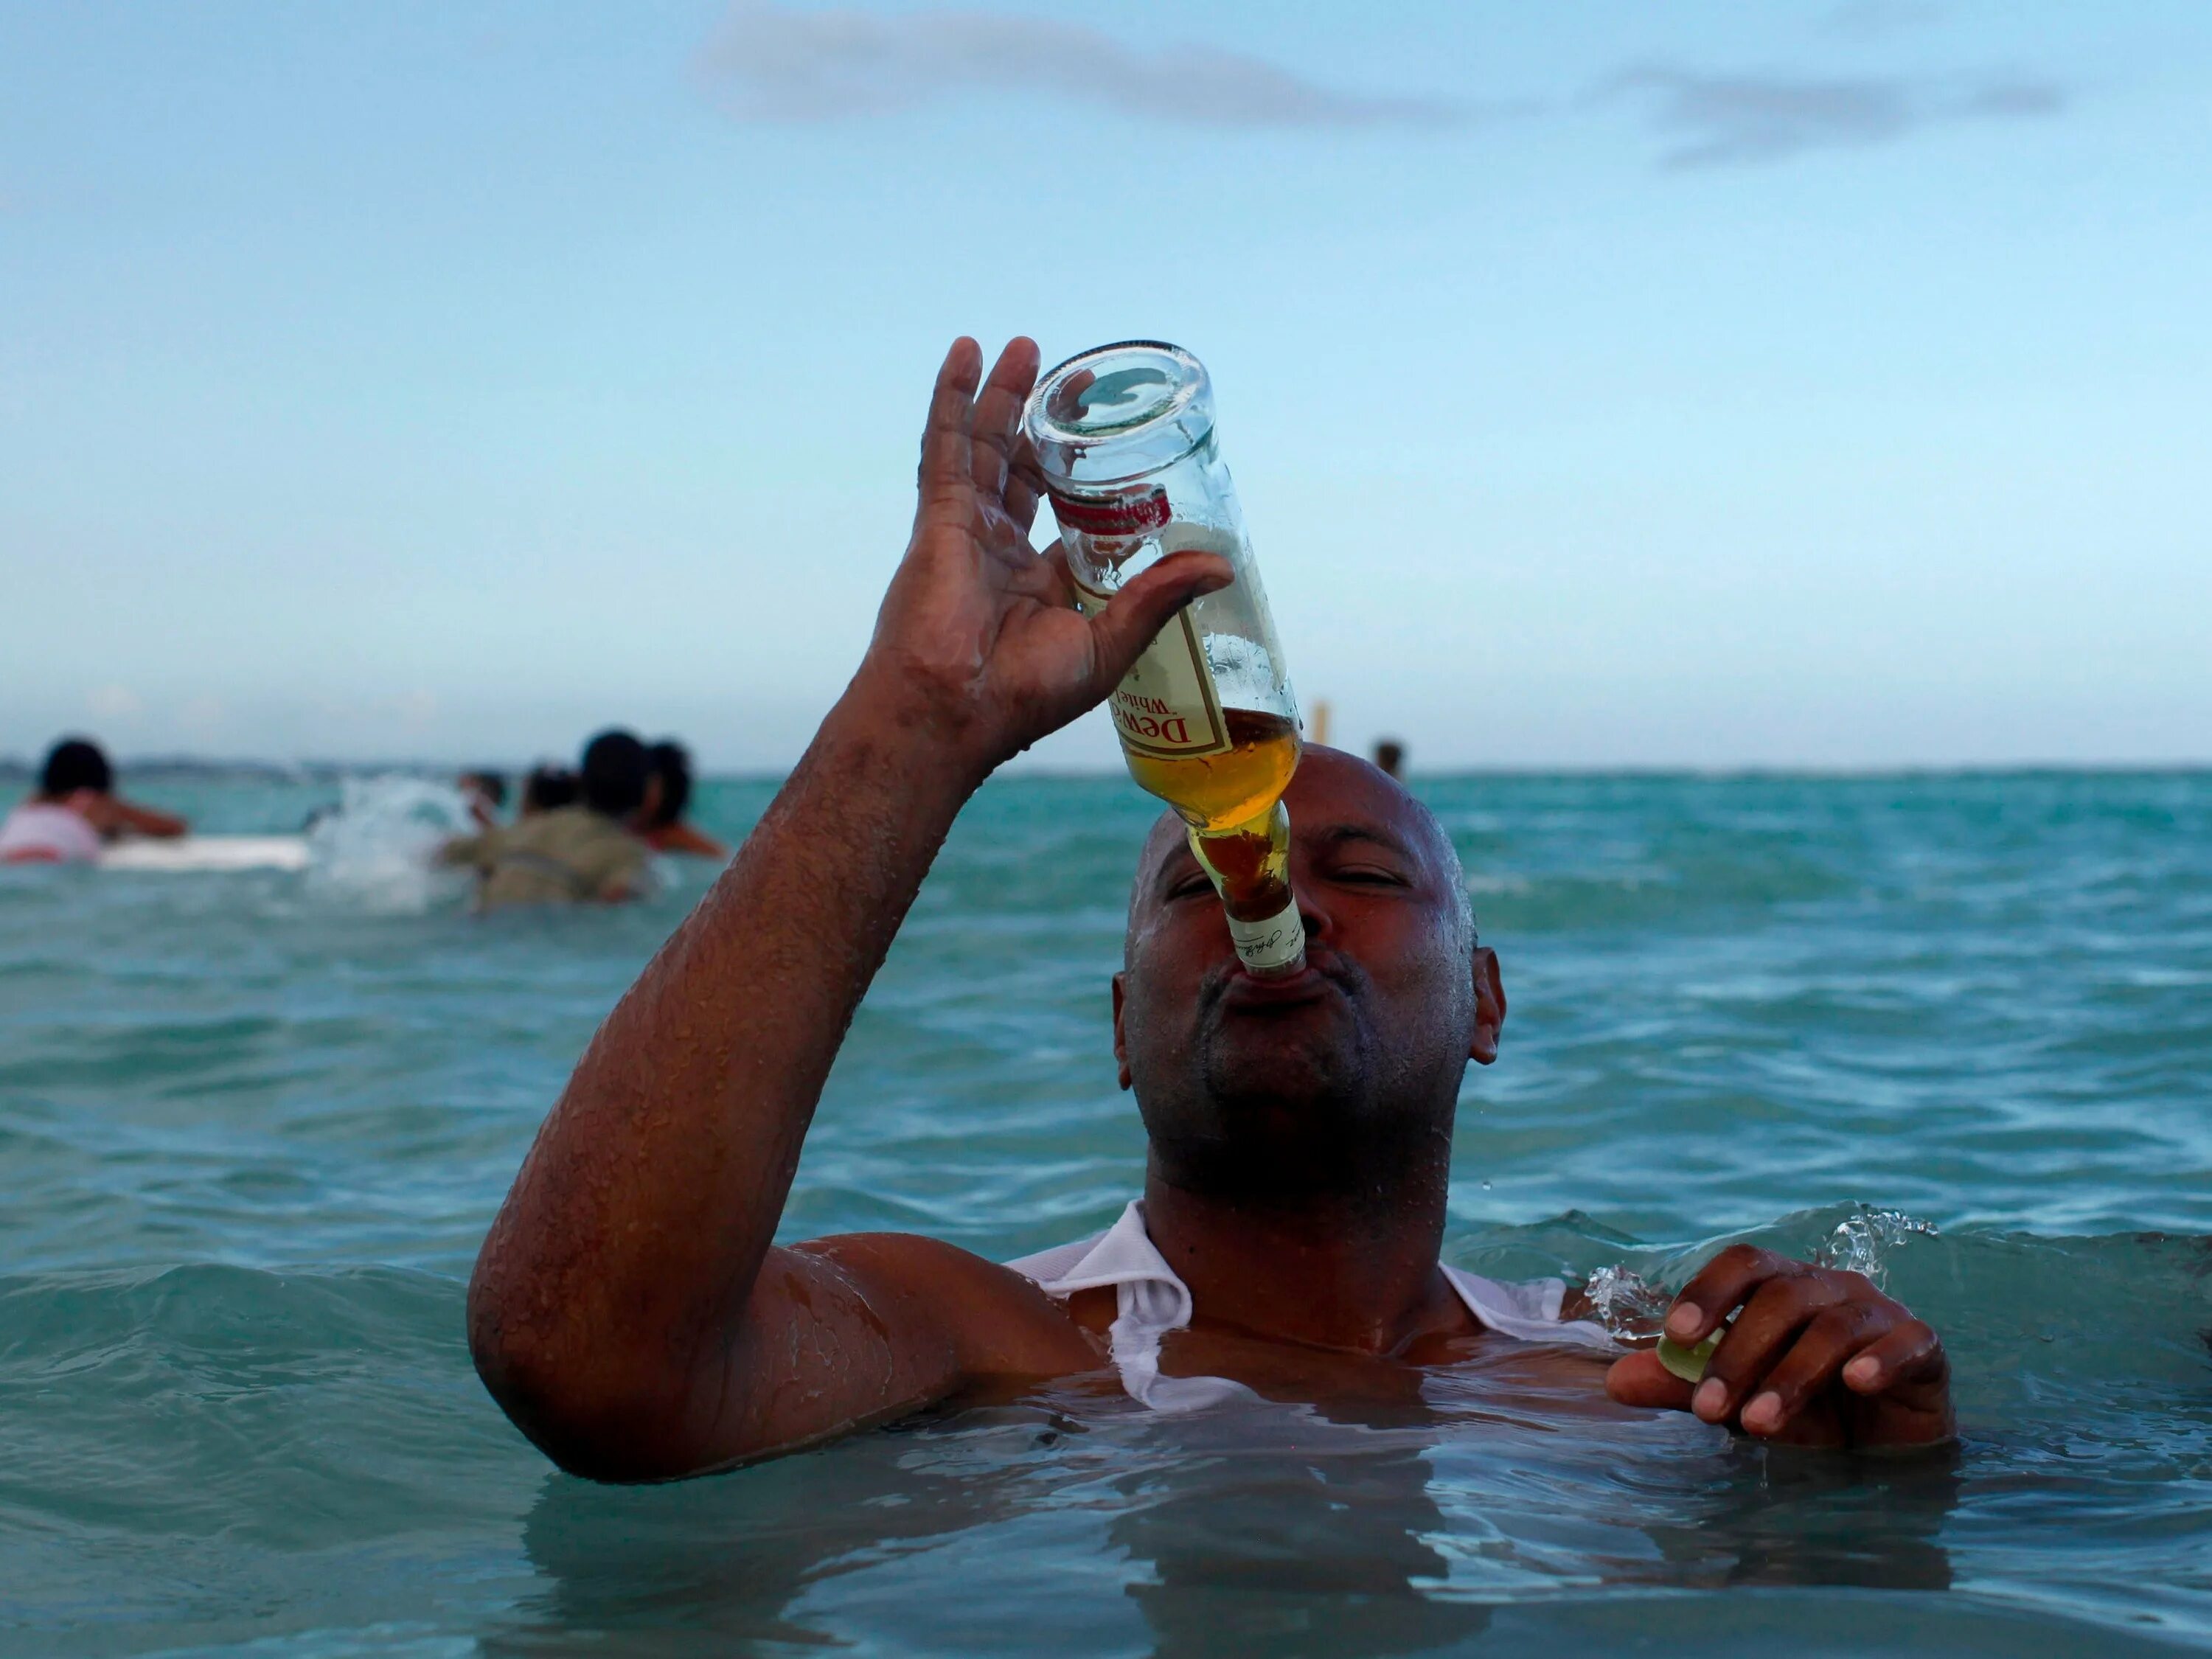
(1169, 834)
(1356, 1060)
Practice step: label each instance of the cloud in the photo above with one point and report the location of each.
(773, 62)
(776, 62)
(1721, 120)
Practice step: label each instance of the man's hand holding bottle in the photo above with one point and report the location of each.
(978, 645)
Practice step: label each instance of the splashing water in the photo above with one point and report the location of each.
(1861, 1243)
(1622, 1302)
(1629, 1305)
(377, 849)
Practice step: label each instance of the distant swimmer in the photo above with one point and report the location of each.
(633, 1314)
(576, 853)
(667, 797)
(485, 793)
(546, 789)
(1390, 758)
(75, 811)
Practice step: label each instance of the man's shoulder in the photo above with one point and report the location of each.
(1048, 1265)
(1000, 1318)
(930, 1264)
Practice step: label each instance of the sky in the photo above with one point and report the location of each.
(1611, 385)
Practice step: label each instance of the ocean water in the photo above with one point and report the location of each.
(253, 1126)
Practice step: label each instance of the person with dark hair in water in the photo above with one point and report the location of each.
(635, 1308)
(662, 823)
(75, 811)
(1390, 758)
(547, 787)
(485, 793)
(579, 853)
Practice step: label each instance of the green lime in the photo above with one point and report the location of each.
(1688, 1363)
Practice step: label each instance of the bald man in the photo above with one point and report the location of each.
(631, 1313)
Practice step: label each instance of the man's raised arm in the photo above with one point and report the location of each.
(627, 1309)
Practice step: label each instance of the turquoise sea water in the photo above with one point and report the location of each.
(253, 1126)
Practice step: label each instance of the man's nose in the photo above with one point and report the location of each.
(1312, 900)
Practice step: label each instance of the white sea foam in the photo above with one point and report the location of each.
(378, 850)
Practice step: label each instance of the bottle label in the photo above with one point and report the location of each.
(1129, 515)
(1166, 706)
(1275, 943)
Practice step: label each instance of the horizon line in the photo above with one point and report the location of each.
(13, 767)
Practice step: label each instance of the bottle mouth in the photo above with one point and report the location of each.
(1117, 412)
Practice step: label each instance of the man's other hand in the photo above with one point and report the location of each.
(1818, 1357)
(978, 640)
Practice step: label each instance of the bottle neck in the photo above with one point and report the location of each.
(1250, 865)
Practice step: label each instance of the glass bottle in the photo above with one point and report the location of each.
(1124, 436)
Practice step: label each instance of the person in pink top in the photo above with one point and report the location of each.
(75, 811)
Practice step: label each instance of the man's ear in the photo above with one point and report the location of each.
(1489, 1006)
(1120, 1042)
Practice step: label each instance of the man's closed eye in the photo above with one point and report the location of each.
(1185, 886)
(1368, 875)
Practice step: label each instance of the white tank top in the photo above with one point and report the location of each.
(1153, 1302)
(42, 830)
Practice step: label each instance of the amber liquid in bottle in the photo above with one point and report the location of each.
(1239, 830)
(1217, 792)
(1250, 867)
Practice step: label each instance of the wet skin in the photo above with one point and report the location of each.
(1275, 1084)
(629, 1310)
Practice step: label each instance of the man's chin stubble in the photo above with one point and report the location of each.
(1245, 1080)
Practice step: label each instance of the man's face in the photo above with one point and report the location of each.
(1357, 1059)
